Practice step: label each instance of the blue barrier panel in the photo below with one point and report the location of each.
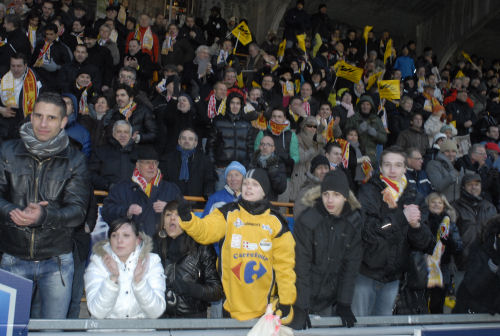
(15, 302)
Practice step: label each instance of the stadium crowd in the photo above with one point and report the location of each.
(392, 165)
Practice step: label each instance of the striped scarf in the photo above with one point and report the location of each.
(143, 183)
(128, 110)
(433, 261)
(212, 110)
(393, 191)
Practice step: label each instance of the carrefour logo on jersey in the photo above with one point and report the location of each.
(250, 274)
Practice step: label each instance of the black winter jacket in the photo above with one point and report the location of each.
(472, 213)
(195, 264)
(201, 173)
(62, 180)
(230, 140)
(276, 171)
(328, 253)
(387, 235)
(110, 164)
(142, 120)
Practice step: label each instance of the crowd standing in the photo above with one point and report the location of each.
(395, 196)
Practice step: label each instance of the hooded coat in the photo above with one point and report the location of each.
(125, 299)
(368, 143)
(328, 253)
(76, 131)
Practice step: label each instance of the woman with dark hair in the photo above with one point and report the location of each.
(192, 279)
(124, 279)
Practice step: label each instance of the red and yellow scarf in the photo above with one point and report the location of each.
(41, 55)
(277, 129)
(141, 181)
(128, 110)
(393, 191)
(83, 106)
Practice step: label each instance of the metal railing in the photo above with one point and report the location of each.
(370, 325)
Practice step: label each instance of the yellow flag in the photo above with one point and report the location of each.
(239, 79)
(389, 89)
(467, 57)
(349, 72)
(318, 42)
(373, 79)
(281, 48)
(459, 74)
(366, 31)
(122, 15)
(242, 33)
(301, 41)
(388, 50)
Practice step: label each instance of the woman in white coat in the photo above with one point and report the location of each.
(124, 279)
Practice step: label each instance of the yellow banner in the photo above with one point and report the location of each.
(467, 57)
(366, 31)
(349, 72)
(389, 89)
(317, 44)
(301, 41)
(373, 79)
(281, 48)
(388, 50)
(242, 33)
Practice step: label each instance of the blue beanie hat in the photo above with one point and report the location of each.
(235, 165)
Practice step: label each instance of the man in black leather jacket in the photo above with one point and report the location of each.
(44, 192)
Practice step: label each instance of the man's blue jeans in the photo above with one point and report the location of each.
(373, 298)
(52, 280)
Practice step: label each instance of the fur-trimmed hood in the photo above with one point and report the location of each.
(145, 247)
(310, 197)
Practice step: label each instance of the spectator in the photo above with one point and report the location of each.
(140, 61)
(192, 33)
(231, 192)
(440, 217)
(475, 162)
(369, 126)
(415, 176)
(319, 167)
(405, 63)
(188, 167)
(101, 57)
(144, 196)
(112, 162)
(106, 41)
(414, 136)
(17, 40)
(48, 57)
(68, 73)
(73, 128)
(175, 49)
(16, 101)
(392, 228)
(287, 147)
(95, 120)
(473, 211)
(148, 40)
(328, 250)
(144, 129)
(128, 76)
(265, 157)
(444, 177)
(124, 279)
(400, 118)
(38, 217)
(479, 291)
(297, 22)
(276, 249)
(435, 122)
(216, 27)
(311, 143)
(343, 110)
(337, 159)
(461, 113)
(191, 275)
(230, 138)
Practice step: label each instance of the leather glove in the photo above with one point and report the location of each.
(372, 131)
(171, 298)
(301, 320)
(184, 210)
(363, 127)
(345, 313)
(286, 312)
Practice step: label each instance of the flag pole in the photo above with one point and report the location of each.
(236, 44)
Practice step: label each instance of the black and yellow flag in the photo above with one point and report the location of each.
(388, 50)
(365, 32)
(349, 72)
(301, 42)
(373, 79)
(281, 49)
(389, 89)
(242, 33)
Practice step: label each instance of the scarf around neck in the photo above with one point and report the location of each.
(42, 149)
(393, 191)
(143, 183)
(185, 154)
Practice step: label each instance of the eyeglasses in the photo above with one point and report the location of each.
(312, 126)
